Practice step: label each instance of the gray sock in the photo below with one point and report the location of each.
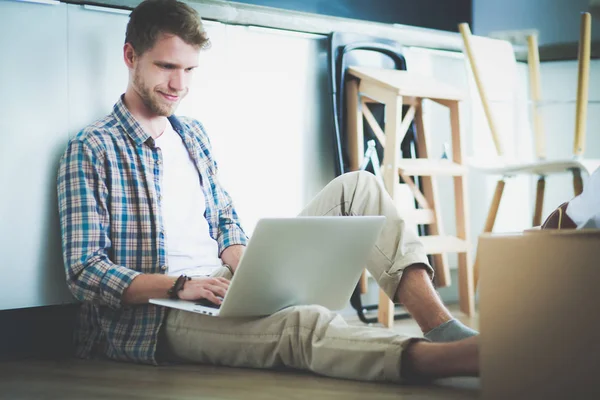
(450, 331)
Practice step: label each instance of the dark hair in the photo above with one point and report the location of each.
(154, 17)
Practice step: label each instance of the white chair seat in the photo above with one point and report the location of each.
(542, 167)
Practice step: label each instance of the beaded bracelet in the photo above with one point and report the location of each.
(173, 293)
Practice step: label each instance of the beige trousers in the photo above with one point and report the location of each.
(312, 337)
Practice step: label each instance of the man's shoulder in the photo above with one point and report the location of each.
(193, 127)
(98, 135)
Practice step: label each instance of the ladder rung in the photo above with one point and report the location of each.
(428, 167)
(443, 244)
(420, 216)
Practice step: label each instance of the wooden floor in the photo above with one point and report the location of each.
(83, 379)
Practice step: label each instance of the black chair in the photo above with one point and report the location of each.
(351, 49)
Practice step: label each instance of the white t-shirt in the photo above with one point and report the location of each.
(190, 248)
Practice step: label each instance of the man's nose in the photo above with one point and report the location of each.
(177, 81)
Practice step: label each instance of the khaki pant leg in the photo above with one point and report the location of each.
(360, 193)
(305, 337)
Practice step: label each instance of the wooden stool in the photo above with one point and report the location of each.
(395, 88)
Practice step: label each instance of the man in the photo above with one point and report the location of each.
(141, 208)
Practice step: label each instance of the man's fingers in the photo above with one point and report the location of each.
(224, 283)
(209, 295)
(208, 288)
(202, 282)
(218, 290)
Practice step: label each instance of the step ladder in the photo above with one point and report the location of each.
(395, 88)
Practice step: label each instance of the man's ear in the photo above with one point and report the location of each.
(129, 55)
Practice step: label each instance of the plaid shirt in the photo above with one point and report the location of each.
(109, 198)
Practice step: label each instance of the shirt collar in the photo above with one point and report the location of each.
(133, 127)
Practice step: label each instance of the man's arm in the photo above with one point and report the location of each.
(232, 255)
(148, 286)
(230, 236)
(85, 221)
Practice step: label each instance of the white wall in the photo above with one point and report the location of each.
(259, 93)
(33, 125)
(557, 20)
(262, 95)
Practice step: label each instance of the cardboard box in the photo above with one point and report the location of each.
(540, 314)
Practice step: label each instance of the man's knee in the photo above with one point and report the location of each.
(309, 316)
(359, 179)
(312, 310)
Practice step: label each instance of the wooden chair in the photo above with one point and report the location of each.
(496, 54)
(347, 50)
(395, 89)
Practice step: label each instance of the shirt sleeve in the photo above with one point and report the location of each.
(229, 229)
(85, 224)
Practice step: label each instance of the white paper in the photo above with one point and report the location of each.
(584, 209)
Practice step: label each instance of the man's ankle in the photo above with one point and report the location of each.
(450, 331)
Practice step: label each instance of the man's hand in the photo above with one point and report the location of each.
(205, 288)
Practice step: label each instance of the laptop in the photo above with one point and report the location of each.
(295, 261)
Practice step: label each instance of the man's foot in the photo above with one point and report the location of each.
(426, 361)
(450, 331)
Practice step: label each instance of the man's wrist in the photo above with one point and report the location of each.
(232, 255)
(229, 267)
(173, 292)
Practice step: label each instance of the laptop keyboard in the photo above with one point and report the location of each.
(207, 303)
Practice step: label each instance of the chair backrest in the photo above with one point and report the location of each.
(352, 49)
(493, 68)
(496, 82)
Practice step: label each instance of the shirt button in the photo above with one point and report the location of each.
(163, 267)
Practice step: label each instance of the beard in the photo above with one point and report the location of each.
(153, 100)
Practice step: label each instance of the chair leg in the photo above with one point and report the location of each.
(354, 123)
(466, 288)
(393, 122)
(466, 285)
(363, 282)
(490, 221)
(493, 212)
(577, 182)
(440, 261)
(583, 80)
(385, 311)
(539, 201)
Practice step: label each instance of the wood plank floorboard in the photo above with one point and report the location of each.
(95, 379)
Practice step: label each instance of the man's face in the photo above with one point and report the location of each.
(162, 75)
